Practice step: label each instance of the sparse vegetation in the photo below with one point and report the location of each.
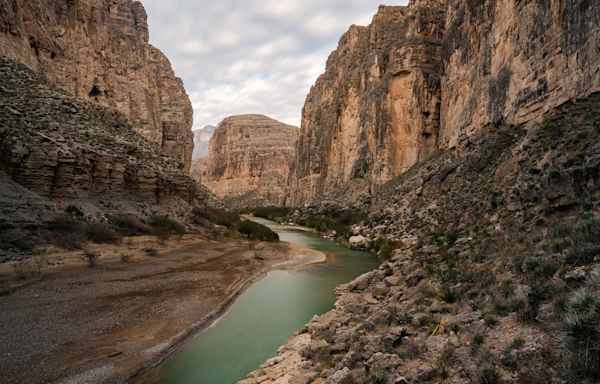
(581, 343)
(216, 216)
(255, 231)
(272, 213)
(164, 227)
(488, 374)
(129, 225)
(91, 257)
(384, 247)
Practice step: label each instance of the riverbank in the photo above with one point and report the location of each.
(66, 322)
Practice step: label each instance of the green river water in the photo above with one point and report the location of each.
(264, 316)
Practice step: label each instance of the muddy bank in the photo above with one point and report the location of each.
(75, 323)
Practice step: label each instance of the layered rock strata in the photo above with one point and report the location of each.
(249, 160)
(515, 61)
(375, 111)
(424, 77)
(99, 51)
(61, 147)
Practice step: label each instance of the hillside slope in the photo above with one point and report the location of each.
(497, 242)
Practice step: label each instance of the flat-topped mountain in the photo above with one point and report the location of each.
(249, 160)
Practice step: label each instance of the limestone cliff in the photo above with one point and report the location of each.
(99, 51)
(424, 77)
(63, 148)
(515, 61)
(375, 110)
(249, 160)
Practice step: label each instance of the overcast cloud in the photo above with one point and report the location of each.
(251, 56)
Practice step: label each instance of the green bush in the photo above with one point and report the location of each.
(488, 374)
(129, 225)
(163, 226)
(582, 327)
(449, 295)
(101, 233)
(257, 231)
(271, 213)
(385, 247)
(217, 216)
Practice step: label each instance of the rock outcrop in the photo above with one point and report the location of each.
(249, 160)
(515, 61)
(375, 111)
(424, 77)
(201, 139)
(61, 147)
(99, 51)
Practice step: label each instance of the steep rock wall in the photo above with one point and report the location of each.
(249, 159)
(514, 61)
(99, 51)
(375, 110)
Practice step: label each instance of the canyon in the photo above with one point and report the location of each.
(249, 160)
(457, 140)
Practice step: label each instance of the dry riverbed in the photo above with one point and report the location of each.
(66, 322)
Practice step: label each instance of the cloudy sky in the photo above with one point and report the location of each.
(251, 56)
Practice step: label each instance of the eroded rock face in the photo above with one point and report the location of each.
(375, 111)
(514, 61)
(249, 160)
(63, 148)
(99, 51)
(427, 76)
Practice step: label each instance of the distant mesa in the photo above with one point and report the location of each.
(201, 139)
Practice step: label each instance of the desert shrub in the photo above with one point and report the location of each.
(488, 374)
(65, 223)
(477, 343)
(385, 247)
(271, 213)
(163, 226)
(504, 307)
(448, 294)
(101, 233)
(150, 251)
(539, 293)
(581, 343)
(129, 225)
(257, 231)
(66, 232)
(539, 267)
(91, 257)
(586, 242)
(404, 318)
(217, 216)
(126, 257)
(334, 220)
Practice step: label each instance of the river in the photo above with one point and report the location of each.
(264, 316)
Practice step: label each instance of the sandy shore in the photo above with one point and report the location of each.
(66, 322)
